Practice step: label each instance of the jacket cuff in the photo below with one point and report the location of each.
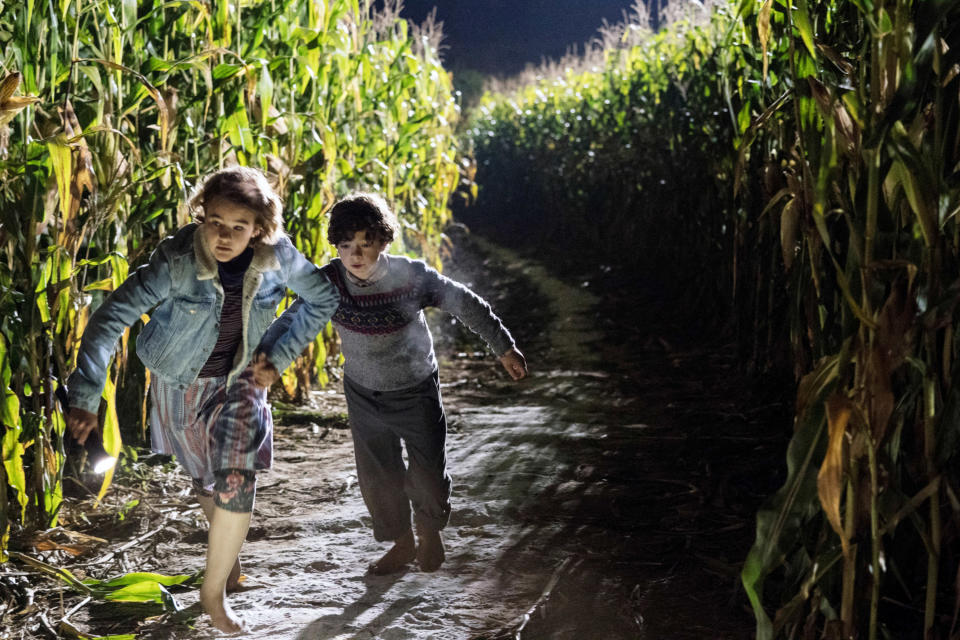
(83, 398)
(278, 361)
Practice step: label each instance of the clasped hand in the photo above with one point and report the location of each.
(264, 373)
(515, 364)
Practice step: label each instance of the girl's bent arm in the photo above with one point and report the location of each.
(139, 293)
(318, 301)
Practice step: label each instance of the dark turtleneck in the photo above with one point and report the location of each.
(231, 315)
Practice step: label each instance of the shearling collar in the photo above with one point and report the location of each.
(264, 257)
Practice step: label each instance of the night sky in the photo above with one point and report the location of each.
(502, 36)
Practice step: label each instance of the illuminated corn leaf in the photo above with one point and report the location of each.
(138, 578)
(801, 20)
(61, 158)
(12, 447)
(110, 432)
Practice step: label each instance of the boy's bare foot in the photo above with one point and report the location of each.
(430, 551)
(233, 580)
(402, 553)
(221, 615)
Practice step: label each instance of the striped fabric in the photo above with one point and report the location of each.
(208, 427)
(231, 275)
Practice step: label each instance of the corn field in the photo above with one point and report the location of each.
(791, 166)
(112, 110)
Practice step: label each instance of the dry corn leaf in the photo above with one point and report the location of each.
(789, 222)
(50, 545)
(830, 476)
(81, 175)
(891, 346)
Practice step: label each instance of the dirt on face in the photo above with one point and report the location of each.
(610, 495)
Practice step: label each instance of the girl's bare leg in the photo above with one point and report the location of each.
(228, 529)
(233, 580)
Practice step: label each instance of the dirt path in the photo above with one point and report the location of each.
(609, 496)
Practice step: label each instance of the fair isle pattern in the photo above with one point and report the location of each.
(381, 313)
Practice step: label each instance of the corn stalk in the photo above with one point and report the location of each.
(110, 112)
(790, 166)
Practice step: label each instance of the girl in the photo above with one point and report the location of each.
(213, 289)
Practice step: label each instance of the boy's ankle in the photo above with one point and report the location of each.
(402, 553)
(430, 551)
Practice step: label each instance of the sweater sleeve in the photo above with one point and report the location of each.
(472, 310)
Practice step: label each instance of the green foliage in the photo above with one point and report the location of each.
(793, 165)
(637, 144)
(139, 587)
(111, 112)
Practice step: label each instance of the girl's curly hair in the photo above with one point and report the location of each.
(247, 187)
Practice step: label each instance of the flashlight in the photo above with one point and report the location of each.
(100, 461)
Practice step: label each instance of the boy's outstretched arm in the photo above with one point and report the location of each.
(515, 364)
(475, 312)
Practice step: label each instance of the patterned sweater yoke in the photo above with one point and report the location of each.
(384, 336)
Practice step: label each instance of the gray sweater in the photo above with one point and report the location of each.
(384, 336)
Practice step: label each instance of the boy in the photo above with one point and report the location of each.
(390, 376)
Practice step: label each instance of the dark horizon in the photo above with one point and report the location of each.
(502, 37)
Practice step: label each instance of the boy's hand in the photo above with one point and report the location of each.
(80, 423)
(515, 364)
(264, 373)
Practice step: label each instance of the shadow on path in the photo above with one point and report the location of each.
(609, 496)
(631, 464)
(371, 613)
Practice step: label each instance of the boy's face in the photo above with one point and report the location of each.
(360, 254)
(229, 228)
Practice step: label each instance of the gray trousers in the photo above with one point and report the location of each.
(379, 422)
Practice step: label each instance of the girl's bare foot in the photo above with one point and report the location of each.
(233, 580)
(221, 615)
(402, 553)
(430, 551)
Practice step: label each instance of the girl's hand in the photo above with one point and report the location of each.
(264, 373)
(80, 423)
(515, 364)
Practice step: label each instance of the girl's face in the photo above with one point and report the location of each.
(229, 228)
(360, 254)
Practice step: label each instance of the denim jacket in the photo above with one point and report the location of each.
(181, 285)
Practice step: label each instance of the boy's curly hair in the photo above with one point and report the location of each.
(362, 212)
(247, 187)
